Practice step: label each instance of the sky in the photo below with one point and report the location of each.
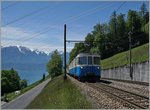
(40, 24)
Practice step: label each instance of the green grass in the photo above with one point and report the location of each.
(60, 94)
(11, 96)
(139, 54)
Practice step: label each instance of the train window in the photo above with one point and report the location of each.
(82, 60)
(90, 60)
(96, 60)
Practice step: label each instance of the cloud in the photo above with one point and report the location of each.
(15, 35)
(47, 42)
(44, 42)
(47, 47)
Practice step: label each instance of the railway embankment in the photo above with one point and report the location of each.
(60, 94)
(103, 95)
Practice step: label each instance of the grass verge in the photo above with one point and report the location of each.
(60, 94)
(139, 54)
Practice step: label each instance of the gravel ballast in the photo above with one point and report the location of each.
(100, 99)
(135, 88)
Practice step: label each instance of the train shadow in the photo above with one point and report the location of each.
(88, 81)
(104, 81)
(100, 81)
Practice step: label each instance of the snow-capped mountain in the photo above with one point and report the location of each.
(23, 55)
(19, 54)
(30, 64)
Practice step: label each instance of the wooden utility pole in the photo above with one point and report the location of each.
(131, 69)
(65, 76)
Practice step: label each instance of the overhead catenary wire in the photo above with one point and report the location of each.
(27, 15)
(12, 4)
(104, 7)
(33, 33)
(115, 41)
(36, 13)
(26, 38)
(72, 19)
(79, 15)
(120, 6)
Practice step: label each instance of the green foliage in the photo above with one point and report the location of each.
(145, 28)
(11, 96)
(111, 38)
(80, 47)
(54, 66)
(144, 14)
(10, 81)
(43, 77)
(133, 21)
(89, 40)
(139, 54)
(113, 25)
(23, 83)
(60, 94)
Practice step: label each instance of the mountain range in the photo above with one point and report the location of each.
(22, 55)
(30, 64)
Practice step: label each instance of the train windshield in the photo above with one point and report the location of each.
(90, 60)
(97, 60)
(82, 60)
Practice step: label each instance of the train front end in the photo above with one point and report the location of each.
(88, 67)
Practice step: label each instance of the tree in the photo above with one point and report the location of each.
(54, 66)
(23, 83)
(122, 33)
(43, 77)
(144, 14)
(143, 9)
(10, 81)
(111, 38)
(100, 33)
(134, 25)
(89, 40)
(121, 28)
(78, 48)
(133, 21)
(97, 32)
(113, 25)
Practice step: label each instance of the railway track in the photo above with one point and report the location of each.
(138, 101)
(127, 81)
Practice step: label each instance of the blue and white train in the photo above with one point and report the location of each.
(85, 66)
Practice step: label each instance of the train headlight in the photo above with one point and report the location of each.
(97, 67)
(81, 67)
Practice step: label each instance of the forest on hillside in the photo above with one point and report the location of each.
(111, 38)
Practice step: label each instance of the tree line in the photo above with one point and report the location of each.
(111, 38)
(10, 81)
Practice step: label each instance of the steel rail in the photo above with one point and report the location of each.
(126, 91)
(113, 94)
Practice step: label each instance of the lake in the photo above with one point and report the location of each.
(31, 72)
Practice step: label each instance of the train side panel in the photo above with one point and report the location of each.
(76, 71)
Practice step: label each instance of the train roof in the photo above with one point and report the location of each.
(87, 54)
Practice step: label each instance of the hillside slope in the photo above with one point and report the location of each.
(139, 54)
(60, 94)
